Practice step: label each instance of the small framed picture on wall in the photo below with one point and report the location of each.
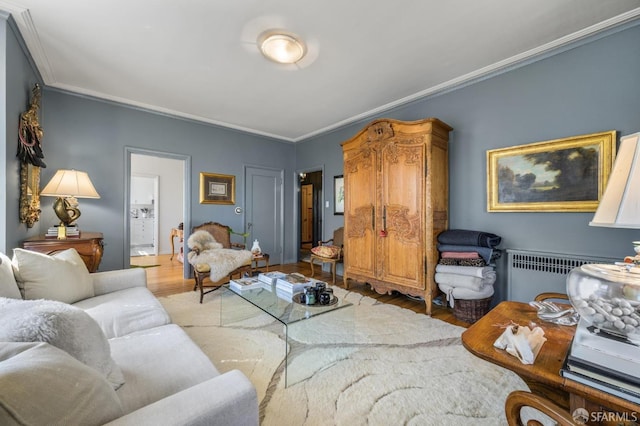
(217, 189)
(338, 194)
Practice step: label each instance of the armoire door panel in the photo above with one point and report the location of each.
(360, 208)
(402, 201)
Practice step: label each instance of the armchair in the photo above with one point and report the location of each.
(205, 258)
(329, 253)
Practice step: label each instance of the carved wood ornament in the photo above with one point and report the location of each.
(31, 160)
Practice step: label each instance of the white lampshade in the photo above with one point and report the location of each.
(70, 183)
(620, 203)
(281, 47)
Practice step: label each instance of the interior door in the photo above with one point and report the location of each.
(264, 210)
(306, 213)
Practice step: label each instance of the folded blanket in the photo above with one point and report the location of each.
(481, 272)
(484, 252)
(464, 281)
(453, 293)
(460, 255)
(462, 262)
(463, 237)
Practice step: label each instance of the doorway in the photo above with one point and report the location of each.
(167, 209)
(310, 208)
(143, 217)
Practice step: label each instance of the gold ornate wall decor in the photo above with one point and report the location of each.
(31, 160)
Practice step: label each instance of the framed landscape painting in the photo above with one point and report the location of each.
(562, 175)
(217, 189)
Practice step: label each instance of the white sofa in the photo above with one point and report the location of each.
(56, 379)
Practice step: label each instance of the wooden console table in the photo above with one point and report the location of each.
(543, 376)
(89, 246)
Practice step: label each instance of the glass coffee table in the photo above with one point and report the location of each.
(285, 311)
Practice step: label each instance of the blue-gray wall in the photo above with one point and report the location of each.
(91, 135)
(592, 87)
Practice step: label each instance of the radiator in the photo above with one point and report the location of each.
(530, 273)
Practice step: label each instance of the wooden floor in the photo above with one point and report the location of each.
(166, 279)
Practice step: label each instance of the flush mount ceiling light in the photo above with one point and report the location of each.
(281, 46)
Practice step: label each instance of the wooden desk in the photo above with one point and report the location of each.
(543, 376)
(175, 232)
(89, 246)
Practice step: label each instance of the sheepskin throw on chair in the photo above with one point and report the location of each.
(205, 249)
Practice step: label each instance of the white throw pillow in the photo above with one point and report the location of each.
(8, 285)
(42, 385)
(63, 326)
(62, 276)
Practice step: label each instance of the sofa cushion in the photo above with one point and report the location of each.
(124, 311)
(8, 284)
(63, 326)
(157, 363)
(62, 276)
(41, 384)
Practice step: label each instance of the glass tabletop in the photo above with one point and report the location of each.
(285, 309)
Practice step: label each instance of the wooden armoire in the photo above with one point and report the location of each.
(396, 184)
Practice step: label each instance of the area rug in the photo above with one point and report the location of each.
(368, 364)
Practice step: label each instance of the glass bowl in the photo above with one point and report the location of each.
(607, 297)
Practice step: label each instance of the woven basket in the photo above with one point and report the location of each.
(471, 310)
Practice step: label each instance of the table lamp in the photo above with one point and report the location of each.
(68, 185)
(620, 203)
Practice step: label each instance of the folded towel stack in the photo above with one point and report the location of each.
(465, 270)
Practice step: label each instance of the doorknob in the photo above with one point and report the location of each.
(249, 225)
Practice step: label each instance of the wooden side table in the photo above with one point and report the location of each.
(543, 376)
(175, 232)
(264, 257)
(89, 246)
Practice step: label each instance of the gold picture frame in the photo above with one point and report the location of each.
(561, 175)
(217, 189)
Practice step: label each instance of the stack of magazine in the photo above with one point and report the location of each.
(270, 278)
(291, 284)
(605, 362)
(71, 231)
(245, 283)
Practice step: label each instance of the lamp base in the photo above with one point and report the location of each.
(62, 232)
(67, 210)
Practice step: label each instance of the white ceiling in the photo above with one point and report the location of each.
(198, 59)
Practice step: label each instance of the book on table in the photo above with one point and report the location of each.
(605, 351)
(294, 283)
(606, 385)
(245, 283)
(270, 277)
(603, 374)
(593, 363)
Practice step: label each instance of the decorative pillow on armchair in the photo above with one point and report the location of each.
(62, 276)
(328, 251)
(63, 326)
